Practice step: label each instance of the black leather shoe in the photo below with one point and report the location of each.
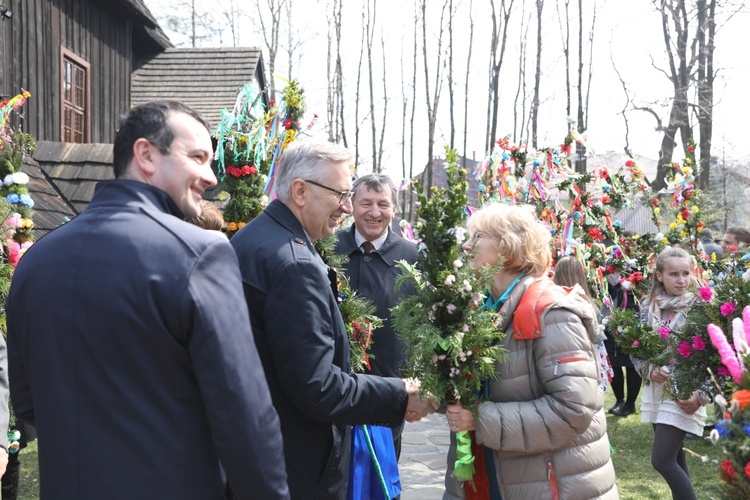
(617, 406)
(624, 410)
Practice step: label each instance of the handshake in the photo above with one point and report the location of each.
(418, 406)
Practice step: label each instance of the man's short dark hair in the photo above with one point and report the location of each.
(707, 234)
(377, 182)
(148, 121)
(741, 234)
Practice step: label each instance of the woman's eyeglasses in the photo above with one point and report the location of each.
(475, 237)
(344, 196)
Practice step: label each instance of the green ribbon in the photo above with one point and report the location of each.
(464, 467)
(376, 463)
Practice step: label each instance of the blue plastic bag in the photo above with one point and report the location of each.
(374, 469)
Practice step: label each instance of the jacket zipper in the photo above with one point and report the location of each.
(552, 480)
(568, 359)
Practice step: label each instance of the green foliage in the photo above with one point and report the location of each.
(451, 342)
(634, 337)
(358, 312)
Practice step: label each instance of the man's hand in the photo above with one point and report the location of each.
(418, 407)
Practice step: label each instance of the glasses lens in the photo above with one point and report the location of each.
(345, 197)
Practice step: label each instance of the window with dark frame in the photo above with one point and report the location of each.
(74, 105)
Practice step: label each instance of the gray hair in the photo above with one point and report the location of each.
(309, 160)
(377, 182)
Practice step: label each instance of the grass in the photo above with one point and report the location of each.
(631, 443)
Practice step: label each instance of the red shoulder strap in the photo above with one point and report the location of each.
(527, 319)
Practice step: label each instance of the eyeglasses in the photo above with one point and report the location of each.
(344, 196)
(476, 235)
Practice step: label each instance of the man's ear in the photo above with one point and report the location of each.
(300, 192)
(143, 157)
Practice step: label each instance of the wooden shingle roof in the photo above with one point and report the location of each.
(206, 79)
(74, 169)
(50, 208)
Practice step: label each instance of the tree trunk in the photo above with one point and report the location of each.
(537, 76)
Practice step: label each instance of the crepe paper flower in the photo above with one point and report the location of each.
(739, 338)
(742, 397)
(746, 322)
(636, 343)
(705, 293)
(729, 471)
(449, 280)
(684, 349)
(723, 371)
(727, 308)
(698, 343)
(727, 353)
(458, 263)
(664, 332)
(722, 427)
(450, 308)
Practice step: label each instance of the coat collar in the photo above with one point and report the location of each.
(279, 212)
(133, 193)
(349, 245)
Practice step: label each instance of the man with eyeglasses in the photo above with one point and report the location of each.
(374, 249)
(301, 337)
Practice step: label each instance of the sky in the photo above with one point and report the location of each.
(628, 33)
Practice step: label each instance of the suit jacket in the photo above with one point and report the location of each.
(304, 348)
(132, 354)
(374, 276)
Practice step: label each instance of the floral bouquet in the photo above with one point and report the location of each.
(450, 341)
(634, 337)
(249, 144)
(696, 367)
(732, 433)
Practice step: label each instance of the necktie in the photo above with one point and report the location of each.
(368, 247)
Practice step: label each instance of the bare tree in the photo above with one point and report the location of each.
(270, 31)
(359, 86)
(432, 100)
(452, 13)
(499, 37)
(565, 33)
(466, 81)
(537, 74)
(411, 217)
(370, 17)
(335, 90)
(520, 100)
(706, 33)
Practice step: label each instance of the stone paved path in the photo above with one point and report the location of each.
(424, 448)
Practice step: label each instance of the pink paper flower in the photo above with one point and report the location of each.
(705, 293)
(722, 371)
(664, 332)
(727, 308)
(684, 349)
(728, 356)
(698, 343)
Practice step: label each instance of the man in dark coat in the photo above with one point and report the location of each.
(298, 329)
(129, 347)
(373, 250)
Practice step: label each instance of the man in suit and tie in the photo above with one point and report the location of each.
(129, 349)
(373, 250)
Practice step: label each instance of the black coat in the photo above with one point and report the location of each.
(131, 351)
(303, 345)
(374, 276)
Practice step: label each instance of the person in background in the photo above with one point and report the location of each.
(666, 307)
(142, 377)
(710, 247)
(621, 297)
(569, 272)
(544, 422)
(373, 250)
(292, 298)
(735, 238)
(210, 219)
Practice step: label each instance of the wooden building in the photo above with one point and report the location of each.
(86, 62)
(76, 58)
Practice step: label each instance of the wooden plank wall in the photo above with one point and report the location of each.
(30, 59)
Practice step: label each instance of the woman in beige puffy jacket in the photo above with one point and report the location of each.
(544, 423)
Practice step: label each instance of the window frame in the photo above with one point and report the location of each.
(68, 56)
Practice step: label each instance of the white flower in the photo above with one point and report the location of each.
(460, 235)
(465, 328)
(714, 436)
(627, 178)
(467, 285)
(20, 178)
(422, 248)
(477, 298)
(8, 180)
(627, 285)
(457, 263)
(449, 280)
(746, 275)
(451, 308)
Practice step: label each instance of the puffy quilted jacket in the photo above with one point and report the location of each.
(545, 423)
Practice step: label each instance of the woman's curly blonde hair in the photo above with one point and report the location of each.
(524, 241)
